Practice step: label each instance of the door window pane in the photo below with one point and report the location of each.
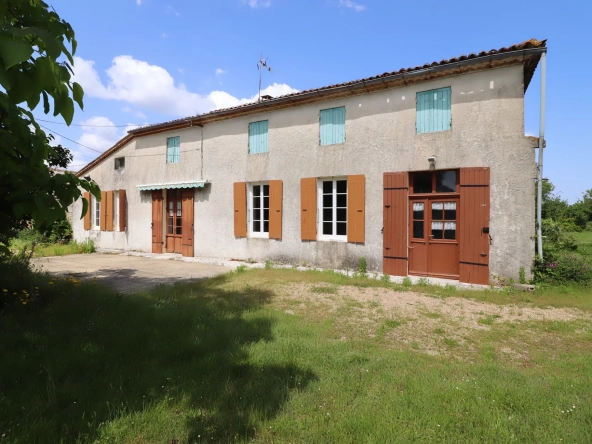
(327, 200)
(418, 229)
(342, 186)
(450, 230)
(341, 229)
(446, 182)
(437, 230)
(418, 210)
(437, 210)
(334, 208)
(328, 228)
(422, 183)
(450, 211)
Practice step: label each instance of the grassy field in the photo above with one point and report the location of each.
(584, 240)
(284, 356)
(72, 247)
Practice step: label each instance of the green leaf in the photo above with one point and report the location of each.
(45, 102)
(67, 110)
(33, 101)
(84, 207)
(14, 52)
(78, 94)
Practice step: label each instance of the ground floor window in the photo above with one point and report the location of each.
(96, 213)
(258, 204)
(333, 209)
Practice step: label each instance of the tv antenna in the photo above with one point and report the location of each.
(262, 65)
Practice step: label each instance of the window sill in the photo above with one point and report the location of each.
(332, 239)
(332, 144)
(258, 235)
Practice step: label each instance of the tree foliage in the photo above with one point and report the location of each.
(36, 59)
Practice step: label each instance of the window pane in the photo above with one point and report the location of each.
(341, 215)
(418, 229)
(422, 183)
(170, 229)
(256, 202)
(437, 211)
(327, 214)
(437, 230)
(450, 230)
(445, 181)
(327, 187)
(256, 190)
(328, 201)
(342, 200)
(256, 226)
(266, 202)
(266, 227)
(179, 221)
(266, 190)
(266, 214)
(178, 231)
(418, 210)
(327, 227)
(450, 211)
(342, 186)
(256, 214)
(341, 228)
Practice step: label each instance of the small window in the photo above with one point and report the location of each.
(333, 209)
(96, 213)
(332, 126)
(434, 182)
(433, 111)
(173, 149)
(258, 210)
(120, 163)
(258, 137)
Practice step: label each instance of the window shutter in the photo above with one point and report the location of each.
(275, 209)
(474, 216)
(308, 208)
(258, 137)
(157, 221)
(394, 237)
(109, 213)
(240, 209)
(88, 211)
(356, 203)
(187, 222)
(102, 222)
(433, 110)
(332, 126)
(122, 211)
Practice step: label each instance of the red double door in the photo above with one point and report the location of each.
(177, 222)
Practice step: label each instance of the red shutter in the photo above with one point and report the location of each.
(394, 239)
(109, 212)
(157, 221)
(102, 223)
(240, 209)
(122, 210)
(88, 212)
(275, 209)
(187, 222)
(308, 208)
(474, 225)
(356, 203)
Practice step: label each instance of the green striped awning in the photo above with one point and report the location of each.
(172, 185)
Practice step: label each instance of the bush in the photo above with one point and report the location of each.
(565, 268)
(60, 232)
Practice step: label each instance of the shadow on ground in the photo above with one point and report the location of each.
(73, 367)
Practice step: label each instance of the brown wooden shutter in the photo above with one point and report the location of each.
(308, 208)
(103, 221)
(88, 211)
(394, 238)
(157, 221)
(122, 211)
(109, 213)
(187, 222)
(356, 204)
(474, 225)
(240, 209)
(275, 209)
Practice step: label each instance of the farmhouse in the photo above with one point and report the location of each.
(424, 171)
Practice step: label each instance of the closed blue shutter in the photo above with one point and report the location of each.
(258, 139)
(433, 111)
(173, 149)
(332, 126)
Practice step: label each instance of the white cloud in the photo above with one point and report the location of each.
(258, 3)
(151, 87)
(138, 2)
(353, 5)
(220, 71)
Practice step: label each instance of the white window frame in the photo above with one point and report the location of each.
(115, 211)
(96, 211)
(329, 237)
(250, 209)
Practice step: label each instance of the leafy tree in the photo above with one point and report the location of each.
(554, 207)
(35, 64)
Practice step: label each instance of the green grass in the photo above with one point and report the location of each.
(220, 360)
(584, 241)
(54, 249)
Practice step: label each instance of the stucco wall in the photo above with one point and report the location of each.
(487, 130)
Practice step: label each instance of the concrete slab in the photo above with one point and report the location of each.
(128, 274)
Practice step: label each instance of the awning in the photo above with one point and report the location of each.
(172, 185)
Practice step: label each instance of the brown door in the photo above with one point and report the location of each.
(394, 237)
(418, 237)
(174, 226)
(157, 221)
(187, 225)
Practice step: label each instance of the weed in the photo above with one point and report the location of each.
(268, 264)
(407, 282)
(241, 269)
(362, 266)
(522, 276)
(422, 282)
(324, 289)
(439, 330)
(488, 320)
(450, 342)
(385, 278)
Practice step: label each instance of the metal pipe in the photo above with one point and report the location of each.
(541, 149)
(201, 151)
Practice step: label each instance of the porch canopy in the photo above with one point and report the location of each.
(172, 185)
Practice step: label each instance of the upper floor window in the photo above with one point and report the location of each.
(120, 163)
(173, 149)
(332, 123)
(258, 137)
(333, 209)
(258, 204)
(433, 111)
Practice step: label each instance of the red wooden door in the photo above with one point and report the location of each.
(187, 223)
(157, 221)
(174, 221)
(418, 236)
(394, 238)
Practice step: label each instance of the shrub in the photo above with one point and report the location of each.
(60, 232)
(407, 282)
(564, 268)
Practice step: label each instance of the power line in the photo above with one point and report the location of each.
(95, 126)
(64, 137)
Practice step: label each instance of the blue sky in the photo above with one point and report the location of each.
(148, 61)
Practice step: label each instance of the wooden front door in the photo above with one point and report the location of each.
(174, 221)
(157, 221)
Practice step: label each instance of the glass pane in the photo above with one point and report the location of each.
(437, 211)
(450, 211)
(327, 187)
(341, 215)
(266, 202)
(256, 190)
(328, 200)
(342, 200)
(327, 214)
(266, 214)
(450, 230)
(170, 229)
(437, 230)
(418, 211)
(418, 229)
(179, 221)
(171, 213)
(178, 231)
(341, 228)
(256, 202)
(342, 186)
(265, 190)
(179, 208)
(422, 183)
(256, 214)
(171, 205)
(256, 226)
(266, 227)
(327, 228)
(446, 182)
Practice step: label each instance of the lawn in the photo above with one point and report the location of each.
(285, 356)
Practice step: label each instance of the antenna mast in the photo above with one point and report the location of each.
(261, 65)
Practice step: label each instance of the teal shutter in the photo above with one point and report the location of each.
(258, 137)
(434, 111)
(173, 149)
(332, 123)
